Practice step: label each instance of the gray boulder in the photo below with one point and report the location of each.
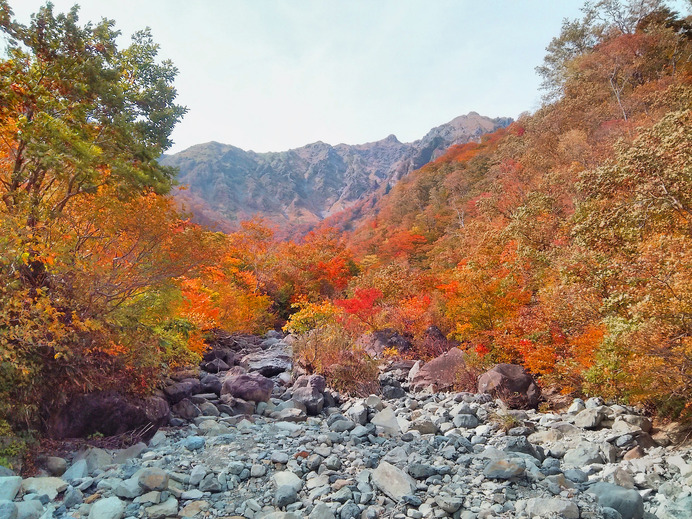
(626, 501)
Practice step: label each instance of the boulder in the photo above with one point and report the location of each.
(214, 366)
(269, 362)
(250, 387)
(183, 389)
(512, 384)
(311, 398)
(186, 409)
(9, 487)
(375, 343)
(49, 486)
(211, 384)
(442, 373)
(626, 501)
(107, 413)
(541, 507)
(392, 481)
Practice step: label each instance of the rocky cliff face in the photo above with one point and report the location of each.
(304, 185)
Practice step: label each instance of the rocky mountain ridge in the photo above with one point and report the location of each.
(249, 440)
(302, 186)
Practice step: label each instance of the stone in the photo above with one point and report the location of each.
(392, 481)
(311, 398)
(197, 474)
(626, 501)
(153, 479)
(374, 402)
(512, 384)
(132, 452)
(589, 418)
(210, 484)
(55, 465)
(78, 470)
(194, 508)
(284, 496)
(169, 508)
(322, 511)
(504, 469)
(73, 497)
(584, 454)
(287, 478)
(376, 342)
(214, 366)
(107, 413)
(107, 508)
(186, 409)
(258, 471)
(211, 384)
(448, 503)
(250, 387)
(32, 509)
(193, 443)
(442, 373)
(129, 489)
(342, 426)
(465, 421)
(269, 362)
(178, 391)
(9, 486)
(50, 486)
(421, 470)
(386, 421)
(8, 510)
(546, 507)
(279, 457)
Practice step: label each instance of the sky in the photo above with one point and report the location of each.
(270, 75)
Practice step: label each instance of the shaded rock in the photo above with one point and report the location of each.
(153, 479)
(236, 406)
(211, 384)
(78, 470)
(442, 373)
(392, 481)
(129, 489)
(285, 495)
(310, 397)
(32, 509)
(269, 362)
(214, 366)
(183, 389)
(8, 510)
(250, 387)
(109, 414)
(626, 501)
(512, 384)
(56, 466)
(186, 409)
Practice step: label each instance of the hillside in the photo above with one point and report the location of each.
(300, 187)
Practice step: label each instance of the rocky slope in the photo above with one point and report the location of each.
(304, 185)
(293, 448)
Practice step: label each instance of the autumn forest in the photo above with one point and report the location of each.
(562, 242)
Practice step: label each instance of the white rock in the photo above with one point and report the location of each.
(394, 482)
(108, 508)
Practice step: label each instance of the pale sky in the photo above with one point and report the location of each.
(269, 75)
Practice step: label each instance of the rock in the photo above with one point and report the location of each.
(210, 484)
(421, 470)
(376, 342)
(258, 471)
(8, 510)
(193, 443)
(310, 397)
(194, 508)
(504, 469)
(9, 486)
(392, 481)
(250, 387)
(442, 373)
(512, 384)
(50, 486)
(342, 426)
(186, 409)
(73, 497)
(386, 421)
(183, 389)
(546, 507)
(153, 479)
(584, 454)
(589, 418)
(211, 384)
(465, 421)
(107, 413)
(287, 478)
(56, 466)
(169, 508)
(628, 502)
(449, 504)
(214, 366)
(108, 508)
(322, 511)
(129, 489)
(374, 402)
(269, 362)
(32, 509)
(285, 495)
(78, 470)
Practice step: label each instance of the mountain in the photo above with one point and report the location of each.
(301, 187)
